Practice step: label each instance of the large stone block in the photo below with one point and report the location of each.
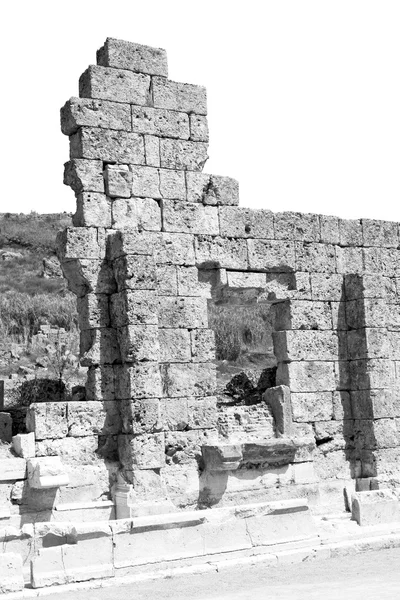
(100, 383)
(139, 342)
(271, 255)
(12, 469)
(107, 145)
(118, 181)
(145, 182)
(312, 406)
(302, 314)
(380, 233)
(215, 190)
(131, 241)
(375, 507)
(369, 312)
(136, 272)
(92, 210)
(46, 472)
(369, 286)
(350, 232)
(329, 229)
(167, 281)
(246, 222)
(181, 154)
(349, 260)
(152, 150)
(182, 312)
(84, 175)
(172, 184)
(369, 343)
(72, 451)
(87, 112)
(11, 575)
(24, 444)
(221, 252)
(327, 286)
(375, 404)
(202, 345)
(141, 380)
(47, 420)
(133, 57)
(305, 345)
(278, 399)
(198, 128)
(182, 217)
(118, 85)
(297, 226)
(183, 379)
(99, 346)
(89, 275)
(134, 307)
(174, 345)
(307, 376)
(371, 373)
(145, 451)
(79, 242)
(136, 213)
(93, 311)
(141, 416)
(175, 249)
(185, 447)
(312, 257)
(183, 97)
(93, 418)
(160, 122)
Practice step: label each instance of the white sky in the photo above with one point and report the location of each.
(303, 95)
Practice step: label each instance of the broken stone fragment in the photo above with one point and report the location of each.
(222, 457)
(24, 444)
(120, 54)
(278, 398)
(46, 472)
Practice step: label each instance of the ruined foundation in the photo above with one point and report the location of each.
(155, 240)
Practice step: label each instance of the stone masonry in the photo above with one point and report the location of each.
(154, 238)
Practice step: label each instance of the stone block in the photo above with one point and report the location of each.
(375, 507)
(131, 241)
(312, 406)
(87, 112)
(202, 412)
(183, 217)
(139, 343)
(279, 400)
(214, 190)
(183, 379)
(327, 286)
(117, 85)
(93, 311)
(350, 232)
(5, 427)
(182, 312)
(302, 314)
(196, 282)
(167, 282)
(93, 418)
(369, 343)
(79, 242)
(47, 420)
(342, 406)
(172, 184)
(141, 380)
(136, 272)
(11, 575)
(183, 97)
(118, 181)
(202, 345)
(369, 286)
(24, 444)
(185, 448)
(175, 249)
(159, 122)
(329, 229)
(141, 416)
(89, 275)
(100, 383)
(46, 472)
(12, 469)
(198, 128)
(271, 255)
(366, 313)
(136, 213)
(380, 233)
(304, 473)
(145, 451)
(174, 345)
(152, 151)
(297, 227)
(222, 457)
(349, 260)
(145, 182)
(307, 376)
(134, 307)
(338, 313)
(92, 210)
(371, 373)
(245, 222)
(182, 154)
(222, 252)
(133, 57)
(313, 257)
(305, 345)
(107, 145)
(84, 175)
(236, 279)
(99, 346)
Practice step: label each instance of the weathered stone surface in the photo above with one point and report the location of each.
(46, 472)
(100, 383)
(135, 272)
(181, 154)
(139, 342)
(99, 346)
(89, 275)
(179, 96)
(215, 190)
(47, 420)
(93, 311)
(142, 451)
(305, 345)
(366, 313)
(245, 222)
(11, 575)
(369, 286)
(5, 427)
(107, 145)
(371, 373)
(134, 307)
(167, 282)
(182, 217)
(140, 380)
(302, 314)
(185, 379)
(87, 112)
(92, 210)
(175, 249)
(271, 255)
(320, 258)
(312, 406)
(198, 128)
(131, 241)
(77, 242)
(141, 416)
(369, 343)
(307, 376)
(74, 451)
(145, 182)
(375, 507)
(24, 444)
(93, 418)
(349, 260)
(118, 85)
(329, 229)
(174, 345)
(297, 226)
(160, 122)
(278, 399)
(380, 233)
(134, 57)
(182, 312)
(12, 469)
(172, 184)
(118, 181)
(152, 150)
(203, 345)
(327, 286)
(221, 252)
(350, 232)
(137, 213)
(84, 175)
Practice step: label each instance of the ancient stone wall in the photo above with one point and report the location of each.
(154, 238)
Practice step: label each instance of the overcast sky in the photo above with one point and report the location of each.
(303, 96)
